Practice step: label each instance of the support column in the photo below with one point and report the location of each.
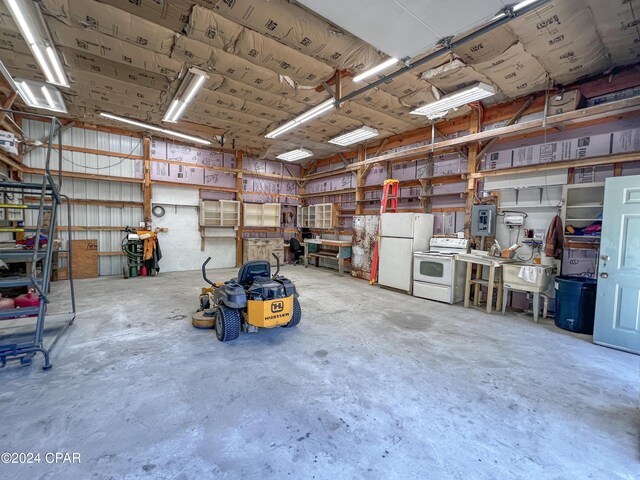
(360, 177)
(146, 186)
(239, 158)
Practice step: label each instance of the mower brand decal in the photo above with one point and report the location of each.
(273, 317)
(277, 307)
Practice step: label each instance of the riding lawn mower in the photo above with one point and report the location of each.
(255, 299)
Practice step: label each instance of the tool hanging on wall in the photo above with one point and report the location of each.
(389, 194)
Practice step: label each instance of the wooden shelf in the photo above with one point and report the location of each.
(455, 194)
(327, 194)
(447, 178)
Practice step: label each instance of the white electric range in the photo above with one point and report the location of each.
(437, 275)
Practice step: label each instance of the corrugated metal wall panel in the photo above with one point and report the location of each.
(76, 188)
(88, 162)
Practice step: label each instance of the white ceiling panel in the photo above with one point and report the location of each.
(404, 28)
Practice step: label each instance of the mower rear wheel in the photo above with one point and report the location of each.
(297, 314)
(227, 323)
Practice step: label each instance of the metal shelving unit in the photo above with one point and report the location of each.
(23, 347)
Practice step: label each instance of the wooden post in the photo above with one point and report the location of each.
(146, 186)
(617, 169)
(239, 158)
(360, 177)
(472, 167)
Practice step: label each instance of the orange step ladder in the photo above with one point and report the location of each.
(389, 194)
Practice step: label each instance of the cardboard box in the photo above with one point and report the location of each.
(85, 258)
(564, 102)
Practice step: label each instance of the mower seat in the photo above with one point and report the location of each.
(252, 270)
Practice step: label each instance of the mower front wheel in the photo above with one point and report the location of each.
(227, 323)
(297, 314)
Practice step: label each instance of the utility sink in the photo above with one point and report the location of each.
(540, 278)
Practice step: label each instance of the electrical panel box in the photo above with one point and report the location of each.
(483, 220)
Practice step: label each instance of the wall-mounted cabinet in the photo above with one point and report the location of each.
(262, 215)
(582, 205)
(219, 213)
(316, 216)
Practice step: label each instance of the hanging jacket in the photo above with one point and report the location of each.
(555, 239)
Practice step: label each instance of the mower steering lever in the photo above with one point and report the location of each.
(277, 265)
(204, 272)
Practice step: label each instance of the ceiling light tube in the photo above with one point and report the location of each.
(456, 99)
(302, 118)
(172, 108)
(18, 16)
(362, 133)
(147, 126)
(48, 97)
(57, 66)
(28, 93)
(521, 5)
(35, 49)
(193, 88)
(294, 155)
(378, 68)
(191, 84)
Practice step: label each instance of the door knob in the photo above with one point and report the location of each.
(605, 258)
(604, 275)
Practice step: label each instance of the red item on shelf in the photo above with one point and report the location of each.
(27, 299)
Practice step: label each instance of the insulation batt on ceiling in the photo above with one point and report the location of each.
(265, 59)
(83, 82)
(618, 24)
(111, 21)
(94, 63)
(13, 41)
(556, 35)
(110, 48)
(301, 30)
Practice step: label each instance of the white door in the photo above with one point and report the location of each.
(397, 224)
(617, 319)
(396, 262)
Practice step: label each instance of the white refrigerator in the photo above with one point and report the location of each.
(402, 234)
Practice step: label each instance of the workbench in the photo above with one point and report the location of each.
(495, 278)
(313, 249)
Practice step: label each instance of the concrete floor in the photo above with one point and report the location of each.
(371, 384)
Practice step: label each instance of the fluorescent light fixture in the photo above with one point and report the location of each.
(362, 133)
(300, 119)
(515, 7)
(40, 95)
(378, 68)
(153, 128)
(456, 99)
(294, 155)
(28, 17)
(192, 82)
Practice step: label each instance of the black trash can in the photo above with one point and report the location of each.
(575, 303)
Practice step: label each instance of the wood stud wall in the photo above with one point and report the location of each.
(362, 160)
